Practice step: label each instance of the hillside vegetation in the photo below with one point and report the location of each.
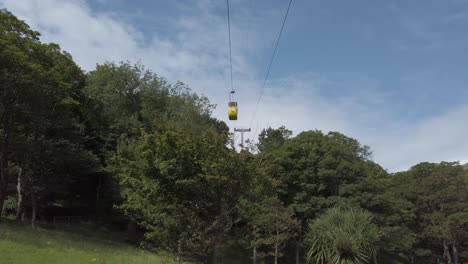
(123, 147)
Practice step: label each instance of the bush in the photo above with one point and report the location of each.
(10, 205)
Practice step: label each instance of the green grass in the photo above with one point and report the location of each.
(20, 244)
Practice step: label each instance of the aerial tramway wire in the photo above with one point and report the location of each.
(230, 48)
(269, 67)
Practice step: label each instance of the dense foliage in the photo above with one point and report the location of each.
(123, 147)
(342, 236)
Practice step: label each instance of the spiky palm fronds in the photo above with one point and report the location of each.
(342, 237)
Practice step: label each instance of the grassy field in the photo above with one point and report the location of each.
(78, 245)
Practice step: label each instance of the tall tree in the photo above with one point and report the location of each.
(178, 179)
(271, 226)
(124, 100)
(40, 99)
(382, 194)
(17, 47)
(314, 171)
(439, 193)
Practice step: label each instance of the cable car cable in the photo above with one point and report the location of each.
(232, 104)
(230, 49)
(268, 71)
(271, 61)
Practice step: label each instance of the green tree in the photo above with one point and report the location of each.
(39, 106)
(342, 236)
(271, 138)
(180, 181)
(439, 194)
(122, 101)
(315, 171)
(382, 194)
(273, 226)
(267, 224)
(16, 77)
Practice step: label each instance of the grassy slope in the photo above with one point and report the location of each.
(22, 245)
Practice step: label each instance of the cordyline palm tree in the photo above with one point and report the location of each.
(342, 236)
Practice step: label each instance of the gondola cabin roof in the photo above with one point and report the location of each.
(232, 110)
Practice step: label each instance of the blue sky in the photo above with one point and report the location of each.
(390, 73)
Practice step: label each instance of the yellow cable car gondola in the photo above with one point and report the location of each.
(232, 107)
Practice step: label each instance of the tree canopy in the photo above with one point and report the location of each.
(125, 148)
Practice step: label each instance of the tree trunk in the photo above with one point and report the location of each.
(211, 258)
(455, 254)
(132, 231)
(447, 255)
(34, 210)
(98, 192)
(19, 205)
(276, 242)
(4, 158)
(276, 253)
(213, 251)
(411, 258)
(3, 181)
(298, 253)
(179, 252)
(374, 258)
(254, 257)
(3, 188)
(210, 254)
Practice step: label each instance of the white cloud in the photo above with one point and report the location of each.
(439, 138)
(196, 53)
(89, 37)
